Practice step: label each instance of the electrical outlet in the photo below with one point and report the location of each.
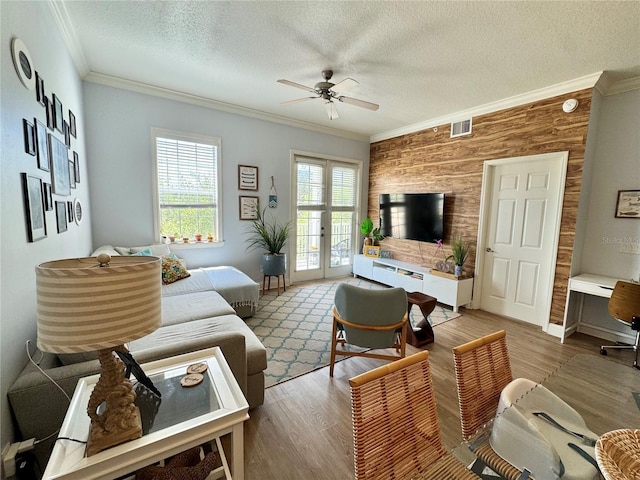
(9, 453)
(629, 247)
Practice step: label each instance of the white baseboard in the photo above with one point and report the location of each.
(606, 334)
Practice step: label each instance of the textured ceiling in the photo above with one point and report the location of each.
(418, 60)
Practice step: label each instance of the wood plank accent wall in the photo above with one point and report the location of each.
(429, 161)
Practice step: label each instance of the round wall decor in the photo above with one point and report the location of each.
(23, 64)
(77, 210)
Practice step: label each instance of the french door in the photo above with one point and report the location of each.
(326, 193)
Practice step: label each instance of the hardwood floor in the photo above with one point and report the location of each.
(303, 430)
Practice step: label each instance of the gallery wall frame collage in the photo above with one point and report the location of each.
(49, 138)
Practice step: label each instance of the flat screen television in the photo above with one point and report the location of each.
(412, 216)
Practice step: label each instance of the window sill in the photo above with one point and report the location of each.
(194, 244)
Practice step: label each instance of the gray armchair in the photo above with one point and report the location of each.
(372, 319)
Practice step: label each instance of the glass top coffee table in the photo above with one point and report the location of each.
(183, 418)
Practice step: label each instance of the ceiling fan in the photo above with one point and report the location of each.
(329, 92)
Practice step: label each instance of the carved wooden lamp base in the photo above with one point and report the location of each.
(120, 420)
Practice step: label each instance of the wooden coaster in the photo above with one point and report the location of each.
(197, 368)
(191, 380)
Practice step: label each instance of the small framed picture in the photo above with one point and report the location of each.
(77, 211)
(58, 118)
(70, 212)
(72, 174)
(51, 120)
(42, 145)
(59, 166)
(29, 137)
(67, 135)
(34, 207)
(40, 90)
(385, 253)
(76, 166)
(628, 204)
(61, 216)
(372, 251)
(72, 125)
(249, 208)
(247, 177)
(48, 197)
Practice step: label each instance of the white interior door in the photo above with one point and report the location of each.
(326, 206)
(522, 200)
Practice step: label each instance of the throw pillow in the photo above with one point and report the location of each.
(143, 253)
(173, 270)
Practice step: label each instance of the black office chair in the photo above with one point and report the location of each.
(624, 306)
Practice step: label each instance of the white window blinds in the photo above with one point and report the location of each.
(187, 173)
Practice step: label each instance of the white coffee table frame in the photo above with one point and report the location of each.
(68, 461)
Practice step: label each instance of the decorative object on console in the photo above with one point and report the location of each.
(459, 251)
(628, 204)
(441, 265)
(371, 251)
(371, 235)
(86, 305)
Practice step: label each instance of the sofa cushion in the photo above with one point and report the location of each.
(173, 270)
(193, 306)
(207, 328)
(108, 249)
(197, 282)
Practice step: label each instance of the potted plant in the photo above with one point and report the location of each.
(272, 238)
(371, 235)
(459, 251)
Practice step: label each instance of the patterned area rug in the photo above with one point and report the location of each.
(295, 327)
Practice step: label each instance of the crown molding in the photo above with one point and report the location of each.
(588, 81)
(622, 86)
(144, 88)
(65, 27)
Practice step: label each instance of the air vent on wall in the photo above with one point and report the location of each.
(463, 127)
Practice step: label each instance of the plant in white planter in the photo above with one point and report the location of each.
(459, 251)
(271, 237)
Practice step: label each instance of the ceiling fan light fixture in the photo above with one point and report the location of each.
(332, 111)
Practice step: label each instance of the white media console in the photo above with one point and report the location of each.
(414, 278)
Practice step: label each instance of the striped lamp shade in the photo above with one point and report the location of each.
(85, 306)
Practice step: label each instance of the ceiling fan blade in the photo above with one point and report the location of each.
(298, 100)
(359, 103)
(332, 111)
(344, 85)
(297, 85)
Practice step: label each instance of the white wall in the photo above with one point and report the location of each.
(33, 24)
(616, 167)
(119, 126)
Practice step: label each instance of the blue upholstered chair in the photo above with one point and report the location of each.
(370, 319)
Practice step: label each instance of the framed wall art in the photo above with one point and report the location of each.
(58, 118)
(76, 166)
(67, 135)
(72, 174)
(48, 197)
(34, 207)
(72, 125)
(70, 216)
(29, 137)
(60, 175)
(77, 211)
(249, 208)
(247, 177)
(61, 216)
(42, 145)
(628, 204)
(40, 97)
(51, 121)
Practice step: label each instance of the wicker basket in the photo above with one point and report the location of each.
(618, 454)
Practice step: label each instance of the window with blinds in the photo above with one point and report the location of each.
(188, 188)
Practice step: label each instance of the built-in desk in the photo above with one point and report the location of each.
(588, 284)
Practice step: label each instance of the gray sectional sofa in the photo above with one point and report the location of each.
(194, 316)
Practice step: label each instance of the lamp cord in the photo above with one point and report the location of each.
(35, 364)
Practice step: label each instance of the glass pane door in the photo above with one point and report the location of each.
(326, 205)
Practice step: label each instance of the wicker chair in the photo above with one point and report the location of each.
(624, 306)
(372, 319)
(618, 454)
(395, 424)
(482, 371)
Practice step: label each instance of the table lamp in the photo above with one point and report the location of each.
(99, 304)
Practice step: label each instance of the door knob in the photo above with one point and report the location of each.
(488, 250)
